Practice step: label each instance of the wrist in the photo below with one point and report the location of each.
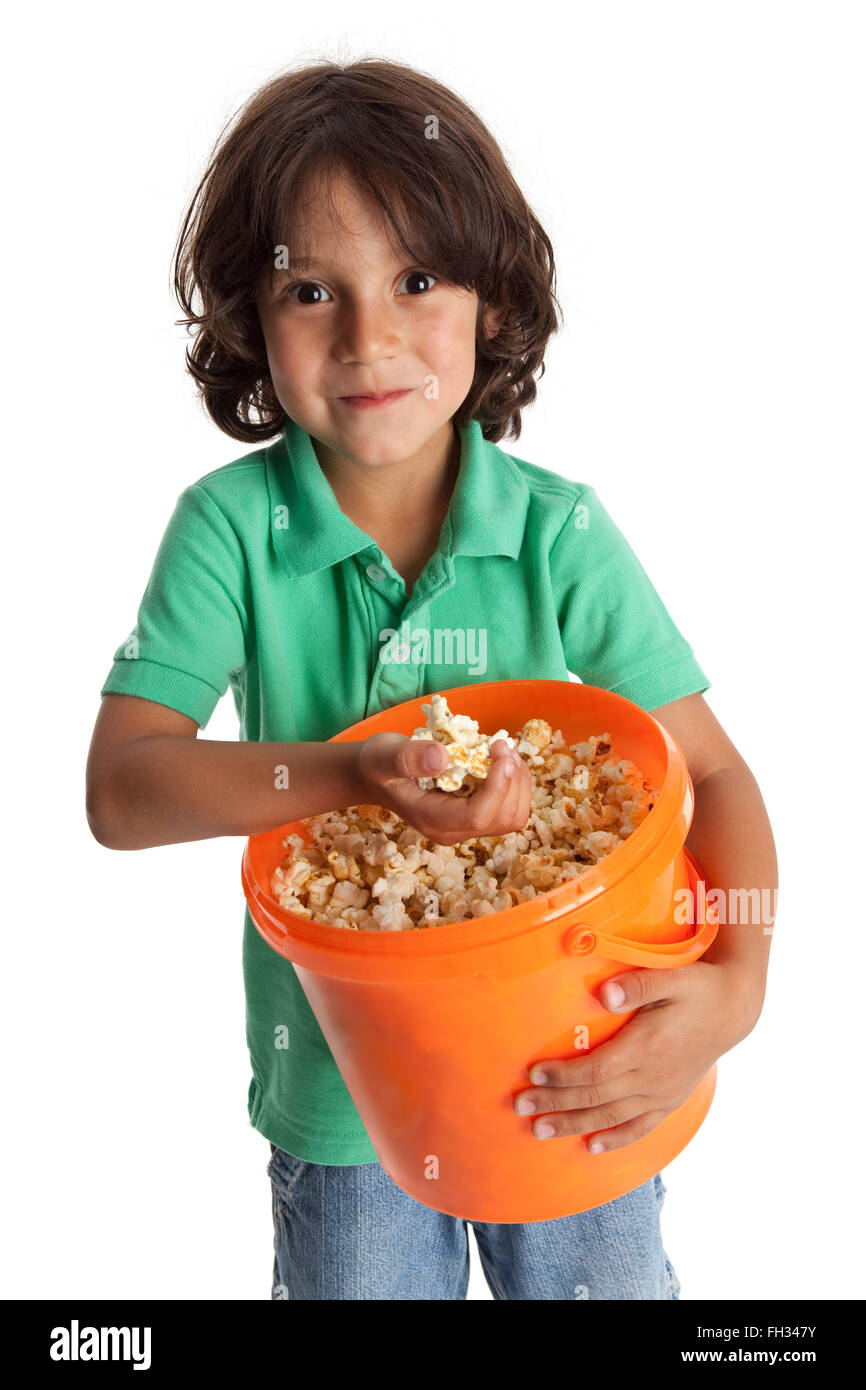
(359, 790)
(744, 991)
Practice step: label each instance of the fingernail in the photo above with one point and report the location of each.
(526, 1107)
(539, 1078)
(596, 1147)
(509, 768)
(544, 1131)
(431, 758)
(615, 996)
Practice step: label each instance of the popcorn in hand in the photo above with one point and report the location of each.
(468, 750)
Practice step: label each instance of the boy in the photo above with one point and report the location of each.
(384, 498)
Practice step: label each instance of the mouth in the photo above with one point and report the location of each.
(373, 399)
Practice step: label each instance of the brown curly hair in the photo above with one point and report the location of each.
(451, 200)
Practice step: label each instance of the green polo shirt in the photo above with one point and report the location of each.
(263, 585)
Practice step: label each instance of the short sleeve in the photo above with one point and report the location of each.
(616, 632)
(192, 627)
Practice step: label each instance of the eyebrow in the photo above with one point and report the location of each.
(295, 263)
(298, 263)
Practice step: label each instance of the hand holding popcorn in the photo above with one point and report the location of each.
(469, 752)
(394, 769)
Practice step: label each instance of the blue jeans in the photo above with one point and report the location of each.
(349, 1232)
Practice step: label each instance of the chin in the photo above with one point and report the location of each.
(374, 442)
(380, 451)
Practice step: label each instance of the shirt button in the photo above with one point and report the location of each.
(376, 573)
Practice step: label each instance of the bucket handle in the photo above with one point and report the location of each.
(581, 940)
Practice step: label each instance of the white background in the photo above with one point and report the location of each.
(699, 168)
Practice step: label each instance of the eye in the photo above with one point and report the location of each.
(420, 275)
(306, 285)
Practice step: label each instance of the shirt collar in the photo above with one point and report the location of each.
(486, 515)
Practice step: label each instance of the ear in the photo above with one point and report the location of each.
(494, 316)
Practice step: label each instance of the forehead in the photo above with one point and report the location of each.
(338, 221)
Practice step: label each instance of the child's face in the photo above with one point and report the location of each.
(356, 321)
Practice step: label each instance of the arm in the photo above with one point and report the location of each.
(152, 781)
(682, 1020)
(732, 840)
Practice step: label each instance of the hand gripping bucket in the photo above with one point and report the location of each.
(434, 1031)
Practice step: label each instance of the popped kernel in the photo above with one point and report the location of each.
(468, 750)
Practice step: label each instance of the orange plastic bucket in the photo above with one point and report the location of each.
(434, 1031)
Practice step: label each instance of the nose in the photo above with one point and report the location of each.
(367, 331)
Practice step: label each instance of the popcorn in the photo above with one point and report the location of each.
(367, 869)
(468, 750)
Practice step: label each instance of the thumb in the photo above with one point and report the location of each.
(421, 757)
(622, 993)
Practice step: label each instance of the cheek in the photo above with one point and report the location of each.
(447, 342)
(290, 353)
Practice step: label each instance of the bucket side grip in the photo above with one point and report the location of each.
(581, 940)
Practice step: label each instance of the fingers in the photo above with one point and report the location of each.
(603, 1117)
(629, 1133)
(518, 798)
(513, 795)
(493, 799)
(545, 1100)
(497, 806)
